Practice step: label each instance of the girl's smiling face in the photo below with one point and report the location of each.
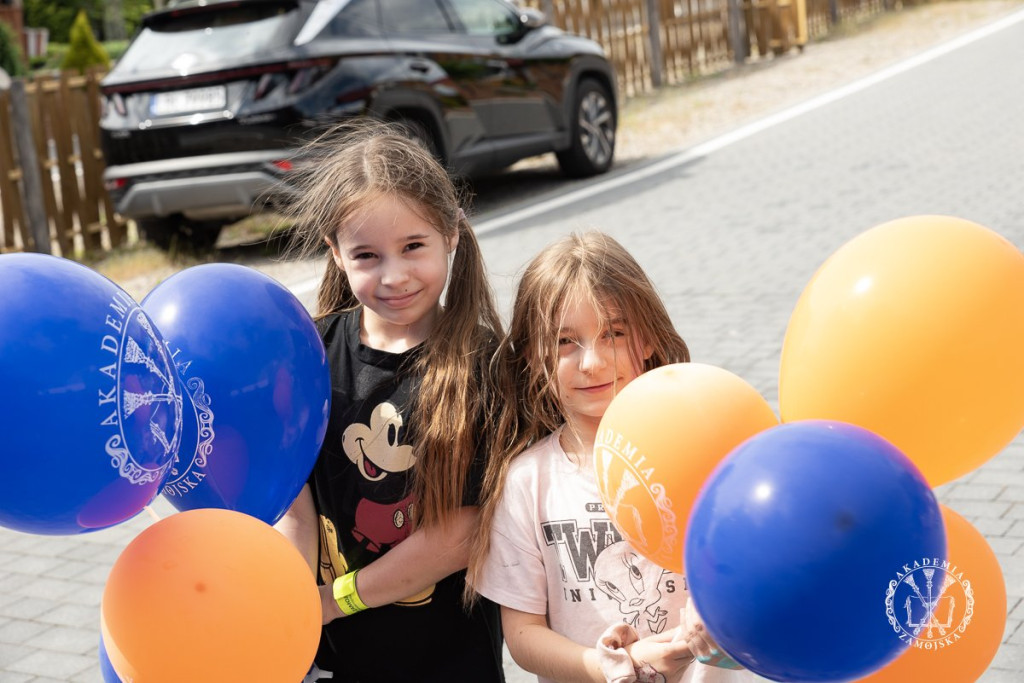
(397, 265)
(596, 359)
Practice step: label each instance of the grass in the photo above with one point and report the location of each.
(138, 265)
(55, 53)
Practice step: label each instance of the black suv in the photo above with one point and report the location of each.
(205, 109)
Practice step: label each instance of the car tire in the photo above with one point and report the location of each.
(159, 231)
(592, 147)
(175, 232)
(424, 133)
(202, 235)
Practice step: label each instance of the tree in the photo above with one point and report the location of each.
(113, 21)
(84, 50)
(11, 59)
(59, 16)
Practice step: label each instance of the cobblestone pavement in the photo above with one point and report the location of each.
(731, 235)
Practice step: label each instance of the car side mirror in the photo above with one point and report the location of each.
(528, 19)
(531, 18)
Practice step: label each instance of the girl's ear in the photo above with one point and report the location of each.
(335, 254)
(453, 242)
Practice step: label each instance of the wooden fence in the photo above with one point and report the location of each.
(649, 42)
(661, 42)
(64, 134)
(12, 16)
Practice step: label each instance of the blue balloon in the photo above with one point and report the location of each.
(106, 667)
(257, 387)
(794, 544)
(91, 411)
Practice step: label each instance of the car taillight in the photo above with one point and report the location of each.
(114, 184)
(264, 85)
(300, 81)
(283, 164)
(116, 101)
(309, 74)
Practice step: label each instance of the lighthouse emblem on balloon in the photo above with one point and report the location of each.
(929, 604)
(634, 499)
(188, 469)
(141, 405)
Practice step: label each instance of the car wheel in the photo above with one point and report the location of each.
(202, 235)
(162, 232)
(175, 232)
(592, 148)
(424, 133)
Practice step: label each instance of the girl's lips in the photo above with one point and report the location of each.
(597, 388)
(398, 301)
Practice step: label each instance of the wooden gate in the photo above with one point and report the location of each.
(64, 113)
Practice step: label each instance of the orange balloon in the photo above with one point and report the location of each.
(914, 330)
(209, 596)
(971, 612)
(657, 443)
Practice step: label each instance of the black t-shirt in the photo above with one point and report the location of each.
(362, 487)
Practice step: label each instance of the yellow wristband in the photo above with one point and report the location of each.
(346, 596)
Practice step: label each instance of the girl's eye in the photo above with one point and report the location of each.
(565, 341)
(413, 246)
(362, 256)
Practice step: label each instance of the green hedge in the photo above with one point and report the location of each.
(11, 59)
(85, 50)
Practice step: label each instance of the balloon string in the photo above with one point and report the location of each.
(152, 513)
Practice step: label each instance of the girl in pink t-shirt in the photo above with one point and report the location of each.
(577, 602)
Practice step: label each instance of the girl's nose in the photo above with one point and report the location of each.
(393, 274)
(591, 357)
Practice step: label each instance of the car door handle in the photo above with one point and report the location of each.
(420, 66)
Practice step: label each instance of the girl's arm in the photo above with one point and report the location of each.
(301, 526)
(415, 564)
(538, 649)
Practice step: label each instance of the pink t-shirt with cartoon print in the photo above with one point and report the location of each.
(554, 551)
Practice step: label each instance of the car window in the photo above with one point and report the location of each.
(414, 16)
(187, 40)
(485, 17)
(341, 19)
(358, 19)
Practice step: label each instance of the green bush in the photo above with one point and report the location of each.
(59, 16)
(11, 59)
(51, 61)
(115, 48)
(85, 50)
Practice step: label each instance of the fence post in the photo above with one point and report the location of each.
(738, 37)
(31, 180)
(654, 40)
(833, 12)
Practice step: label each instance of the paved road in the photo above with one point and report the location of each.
(731, 235)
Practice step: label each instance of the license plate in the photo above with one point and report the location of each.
(188, 101)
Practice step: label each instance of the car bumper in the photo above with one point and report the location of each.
(219, 186)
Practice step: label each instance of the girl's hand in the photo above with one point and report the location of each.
(700, 642)
(659, 654)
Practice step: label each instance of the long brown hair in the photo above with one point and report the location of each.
(590, 267)
(339, 173)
